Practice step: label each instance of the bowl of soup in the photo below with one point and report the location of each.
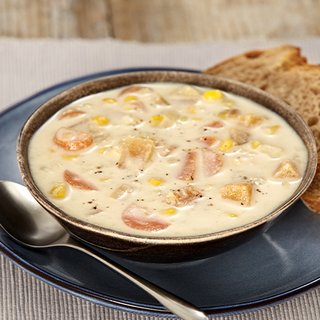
(165, 165)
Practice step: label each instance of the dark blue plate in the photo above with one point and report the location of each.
(271, 267)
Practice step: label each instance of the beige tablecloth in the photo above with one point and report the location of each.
(27, 66)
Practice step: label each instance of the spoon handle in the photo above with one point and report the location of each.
(176, 305)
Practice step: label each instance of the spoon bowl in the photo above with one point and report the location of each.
(30, 225)
(25, 220)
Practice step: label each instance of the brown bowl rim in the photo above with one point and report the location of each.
(199, 79)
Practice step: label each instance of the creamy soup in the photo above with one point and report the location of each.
(167, 160)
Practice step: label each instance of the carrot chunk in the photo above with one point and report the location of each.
(72, 140)
(137, 217)
(135, 89)
(212, 162)
(208, 140)
(214, 124)
(71, 113)
(189, 167)
(76, 181)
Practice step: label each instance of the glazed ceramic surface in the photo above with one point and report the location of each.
(272, 266)
(161, 249)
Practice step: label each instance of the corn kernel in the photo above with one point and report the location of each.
(271, 151)
(103, 150)
(104, 179)
(156, 182)
(229, 102)
(255, 144)
(169, 211)
(58, 191)
(109, 100)
(226, 145)
(69, 156)
(156, 120)
(101, 120)
(192, 109)
(273, 129)
(212, 95)
(231, 113)
(251, 120)
(157, 117)
(232, 215)
(223, 114)
(183, 119)
(128, 107)
(130, 99)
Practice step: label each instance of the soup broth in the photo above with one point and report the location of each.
(167, 160)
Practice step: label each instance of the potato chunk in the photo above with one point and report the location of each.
(241, 192)
(121, 191)
(135, 89)
(286, 170)
(134, 147)
(239, 136)
(251, 120)
(187, 91)
(183, 196)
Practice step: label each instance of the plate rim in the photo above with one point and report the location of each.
(110, 302)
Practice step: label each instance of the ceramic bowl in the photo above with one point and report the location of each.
(153, 249)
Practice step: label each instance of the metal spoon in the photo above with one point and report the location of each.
(30, 225)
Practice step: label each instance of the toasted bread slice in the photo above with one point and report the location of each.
(285, 73)
(258, 66)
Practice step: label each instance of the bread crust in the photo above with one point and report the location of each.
(285, 73)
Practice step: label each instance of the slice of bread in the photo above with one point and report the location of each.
(285, 73)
